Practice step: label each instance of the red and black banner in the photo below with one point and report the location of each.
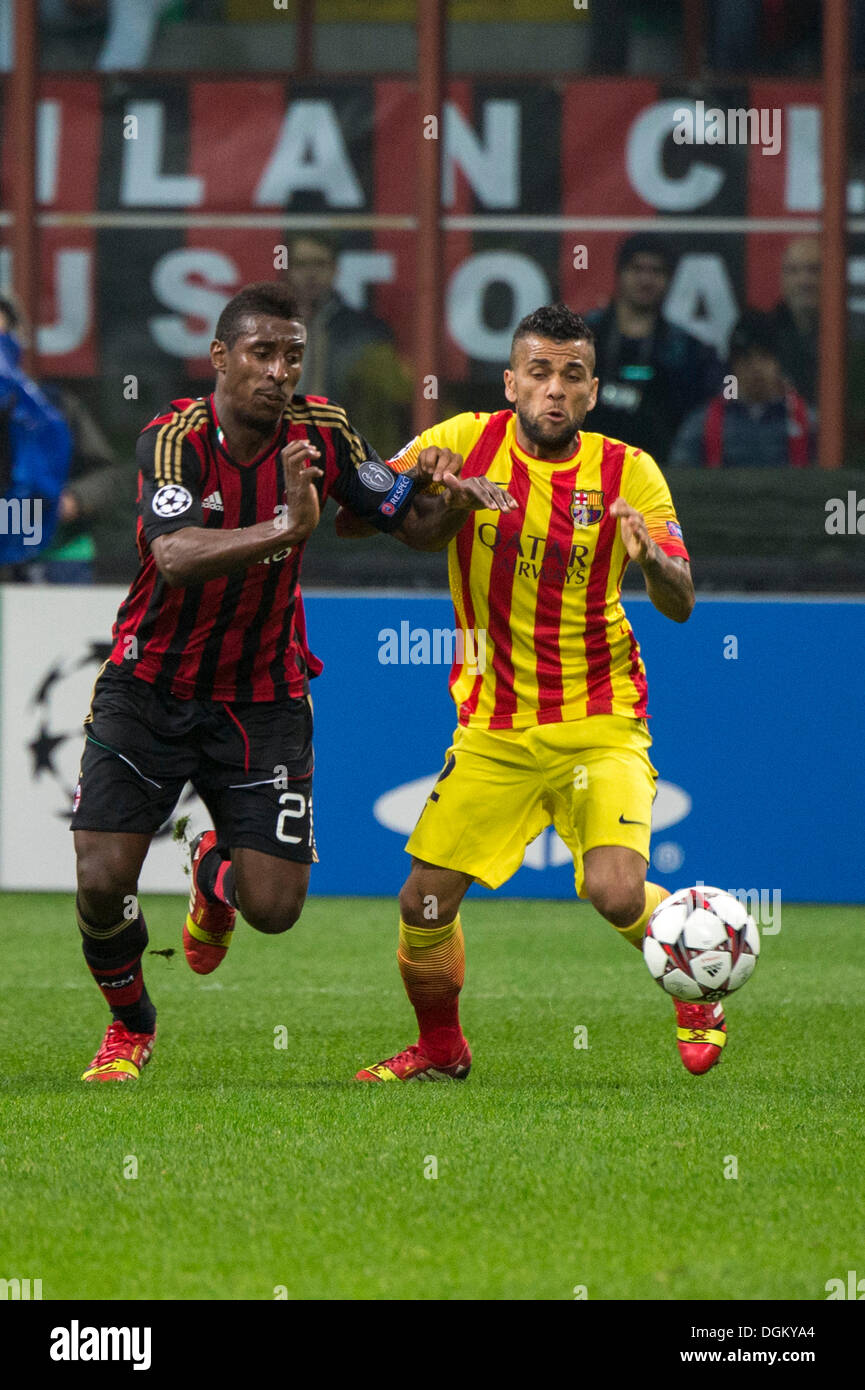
(159, 197)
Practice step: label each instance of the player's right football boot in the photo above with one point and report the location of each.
(208, 926)
(412, 1065)
(121, 1054)
(700, 1036)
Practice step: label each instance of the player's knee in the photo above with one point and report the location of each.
(621, 901)
(273, 916)
(105, 879)
(419, 908)
(409, 902)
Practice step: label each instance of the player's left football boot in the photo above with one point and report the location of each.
(412, 1065)
(208, 926)
(121, 1054)
(701, 1034)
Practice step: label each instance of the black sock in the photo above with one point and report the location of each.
(113, 955)
(216, 877)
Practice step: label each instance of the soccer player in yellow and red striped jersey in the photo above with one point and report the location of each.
(549, 684)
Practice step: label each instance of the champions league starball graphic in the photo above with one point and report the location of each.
(54, 740)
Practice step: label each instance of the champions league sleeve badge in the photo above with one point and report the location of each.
(172, 500)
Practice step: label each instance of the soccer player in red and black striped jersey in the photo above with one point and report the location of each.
(208, 677)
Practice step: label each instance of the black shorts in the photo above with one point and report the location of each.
(250, 762)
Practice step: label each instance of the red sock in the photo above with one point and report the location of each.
(432, 965)
(216, 877)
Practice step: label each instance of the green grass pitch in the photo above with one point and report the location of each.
(263, 1169)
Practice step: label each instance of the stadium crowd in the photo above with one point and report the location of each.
(661, 387)
(612, 37)
(749, 402)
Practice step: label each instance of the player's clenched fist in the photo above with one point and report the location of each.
(301, 498)
(638, 542)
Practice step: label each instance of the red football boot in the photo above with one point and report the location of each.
(412, 1065)
(701, 1034)
(208, 926)
(121, 1054)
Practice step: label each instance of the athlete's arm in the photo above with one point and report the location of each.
(668, 577)
(425, 459)
(432, 522)
(351, 527)
(193, 554)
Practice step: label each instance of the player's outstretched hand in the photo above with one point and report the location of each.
(638, 542)
(302, 509)
(476, 494)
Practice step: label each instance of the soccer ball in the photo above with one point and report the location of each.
(701, 944)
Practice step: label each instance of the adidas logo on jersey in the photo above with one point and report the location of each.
(213, 500)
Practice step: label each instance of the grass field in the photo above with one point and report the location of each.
(262, 1168)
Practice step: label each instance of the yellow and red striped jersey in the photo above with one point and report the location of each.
(537, 591)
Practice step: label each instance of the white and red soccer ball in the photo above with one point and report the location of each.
(700, 944)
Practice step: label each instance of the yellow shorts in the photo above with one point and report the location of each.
(590, 778)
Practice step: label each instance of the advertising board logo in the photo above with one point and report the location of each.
(55, 738)
(398, 810)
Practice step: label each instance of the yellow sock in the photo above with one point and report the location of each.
(634, 933)
(432, 961)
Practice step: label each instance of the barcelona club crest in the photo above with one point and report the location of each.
(587, 508)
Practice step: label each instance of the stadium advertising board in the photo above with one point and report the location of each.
(754, 792)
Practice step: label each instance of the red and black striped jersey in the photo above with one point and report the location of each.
(241, 636)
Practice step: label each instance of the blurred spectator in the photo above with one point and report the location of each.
(116, 34)
(797, 316)
(35, 447)
(350, 356)
(734, 33)
(652, 373)
(95, 491)
(780, 36)
(132, 28)
(768, 425)
(96, 488)
(629, 36)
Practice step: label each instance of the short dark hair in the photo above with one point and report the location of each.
(755, 331)
(646, 244)
(263, 297)
(554, 321)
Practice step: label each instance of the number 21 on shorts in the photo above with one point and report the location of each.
(293, 808)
